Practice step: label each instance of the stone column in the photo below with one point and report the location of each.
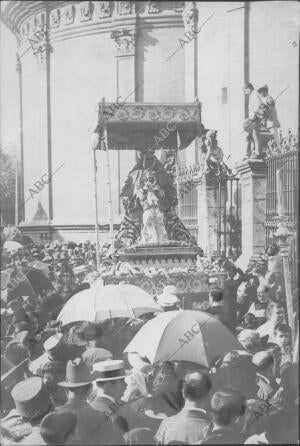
(207, 216)
(127, 85)
(189, 43)
(253, 174)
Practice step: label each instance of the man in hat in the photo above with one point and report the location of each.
(92, 426)
(216, 305)
(109, 377)
(271, 113)
(32, 403)
(168, 299)
(10, 376)
(253, 136)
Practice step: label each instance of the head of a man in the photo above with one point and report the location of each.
(57, 428)
(263, 91)
(263, 293)
(250, 340)
(282, 335)
(248, 88)
(216, 296)
(276, 312)
(228, 408)
(113, 388)
(80, 393)
(196, 388)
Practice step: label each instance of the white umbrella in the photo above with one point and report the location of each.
(183, 335)
(12, 246)
(104, 302)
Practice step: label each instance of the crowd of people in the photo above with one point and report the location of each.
(69, 385)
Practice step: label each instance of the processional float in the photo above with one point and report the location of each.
(151, 232)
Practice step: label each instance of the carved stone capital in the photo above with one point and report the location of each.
(124, 41)
(190, 16)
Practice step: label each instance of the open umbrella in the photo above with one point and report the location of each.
(40, 266)
(37, 279)
(104, 302)
(12, 246)
(17, 283)
(183, 335)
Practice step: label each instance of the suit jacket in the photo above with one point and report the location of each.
(223, 436)
(105, 405)
(219, 312)
(93, 428)
(188, 426)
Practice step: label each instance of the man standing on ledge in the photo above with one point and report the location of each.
(270, 114)
(252, 124)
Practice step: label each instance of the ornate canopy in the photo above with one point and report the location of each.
(139, 126)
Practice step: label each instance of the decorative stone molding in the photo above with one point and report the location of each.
(179, 7)
(156, 112)
(190, 16)
(124, 41)
(191, 283)
(125, 7)
(105, 10)
(153, 7)
(86, 11)
(55, 18)
(40, 21)
(69, 13)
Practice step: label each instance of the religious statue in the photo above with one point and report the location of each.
(214, 158)
(149, 200)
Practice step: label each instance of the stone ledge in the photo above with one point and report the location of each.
(254, 166)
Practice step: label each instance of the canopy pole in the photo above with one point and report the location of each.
(110, 208)
(177, 173)
(96, 211)
(16, 195)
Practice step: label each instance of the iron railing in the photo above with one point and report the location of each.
(289, 164)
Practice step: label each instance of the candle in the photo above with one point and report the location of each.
(279, 185)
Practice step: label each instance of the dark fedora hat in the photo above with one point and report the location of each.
(77, 374)
(31, 397)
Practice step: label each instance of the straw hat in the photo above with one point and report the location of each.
(109, 370)
(168, 297)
